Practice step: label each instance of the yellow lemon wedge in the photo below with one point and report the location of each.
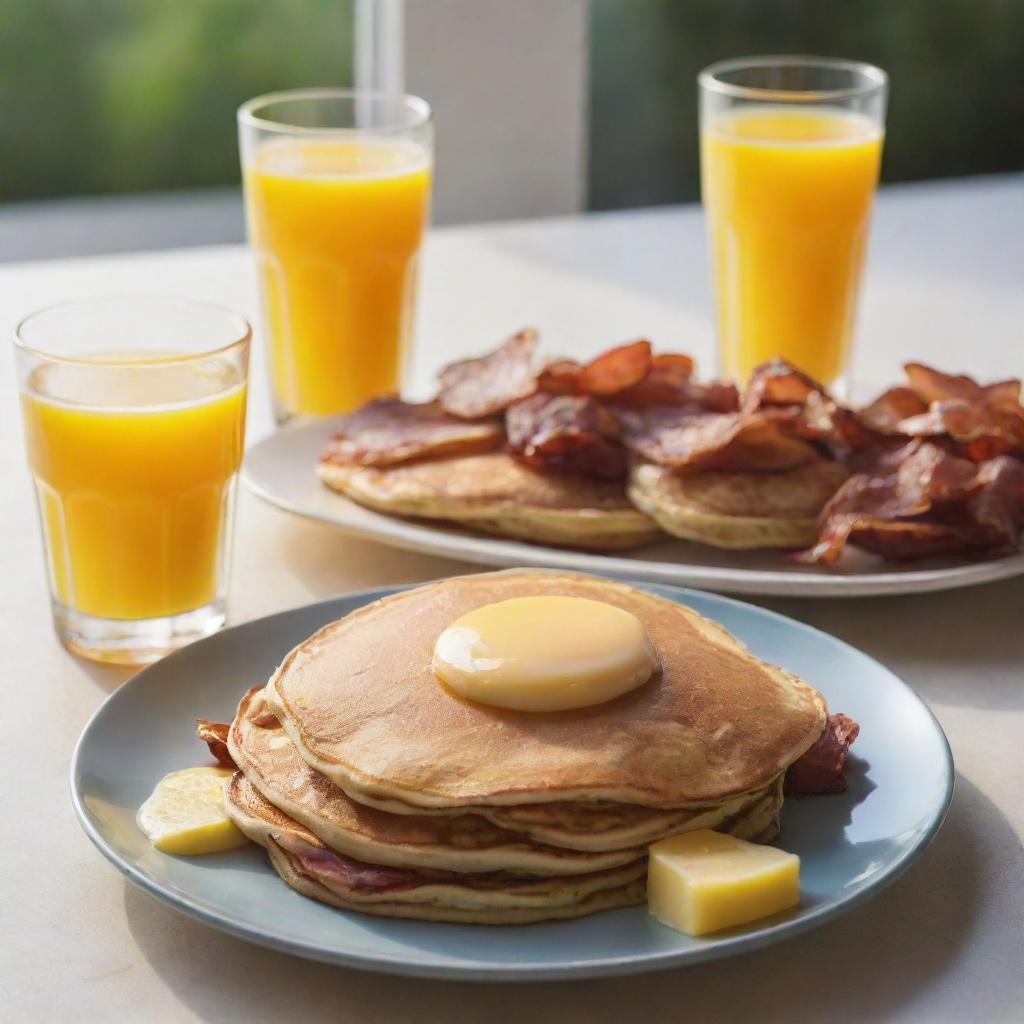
(185, 814)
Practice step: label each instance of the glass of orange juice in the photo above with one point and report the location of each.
(790, 152)
(337, 189)
(134, 418)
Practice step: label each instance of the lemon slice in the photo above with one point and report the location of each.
(185, 814)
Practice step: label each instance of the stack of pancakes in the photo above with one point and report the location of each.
(374, 788)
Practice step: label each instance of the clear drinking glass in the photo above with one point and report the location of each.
(134, 416)
(790, 152)
(337, 189)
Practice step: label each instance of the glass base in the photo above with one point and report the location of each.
(134, 641)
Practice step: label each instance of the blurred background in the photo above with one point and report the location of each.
(118, 129)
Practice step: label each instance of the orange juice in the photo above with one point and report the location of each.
(336, 227)
(788, 195)
(134, 483)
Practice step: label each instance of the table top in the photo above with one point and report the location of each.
(944, 944)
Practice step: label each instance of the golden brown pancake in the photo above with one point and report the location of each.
(589, 827)
(608, 826)
(737, 510)
(496, 493)
(361, 704)
(309, 866)
(461, 843)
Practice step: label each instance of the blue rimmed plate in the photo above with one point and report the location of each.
(851, 846)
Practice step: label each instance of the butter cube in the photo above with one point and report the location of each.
(703, 881)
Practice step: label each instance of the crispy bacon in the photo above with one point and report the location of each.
(823, 768)
(998, 503)
(387, 431)
(319, 862)
(885, 414)
(978, 422)
(785, 420)
(778, 383)
(472, 388)
(560, 377)
(608, 374)
(925, 501)
(931, 385)
(813, 413)
(687, 439)
(215, 736)
(670, 382)
(572, 434)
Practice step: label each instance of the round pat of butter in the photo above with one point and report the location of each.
(547, 653)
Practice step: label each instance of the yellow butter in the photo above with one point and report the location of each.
(704, 881)
(545, 653)
(185, 814)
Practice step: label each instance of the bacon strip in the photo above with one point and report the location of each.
(885, 414)
(572, 434)
(318, 862)
(925, 501)
(610, 373)
(688, 438)
(823, 768)
(812, 412)
(560, 377)
(785, 420)
(472, 388)
(978, 422)
(931, 385)
(387, 431)
(215, 736)
(670, 382)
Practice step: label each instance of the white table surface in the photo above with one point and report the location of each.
(946, 943)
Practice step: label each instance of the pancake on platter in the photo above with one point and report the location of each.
(740, 510)
(463, 843)
(498, 494)
(545, 452)
(309, 866)
(361, 703)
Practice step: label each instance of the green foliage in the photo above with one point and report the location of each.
(123, 95)
(126, 95)
(955, 104)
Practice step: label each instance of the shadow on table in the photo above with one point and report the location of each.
(325, 561)
(916, 935)
(972, 636)
(374, 564)
(104, 677)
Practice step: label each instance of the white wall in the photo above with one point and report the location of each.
(508, 83)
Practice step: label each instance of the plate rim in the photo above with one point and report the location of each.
(497, 971)
(410, 535)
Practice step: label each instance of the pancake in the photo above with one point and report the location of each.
(362, 706)
(405, 836)
(587, 827)
(738, 510)
(308, 865)
(497, 494)
(607, 826)
(462, 843)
